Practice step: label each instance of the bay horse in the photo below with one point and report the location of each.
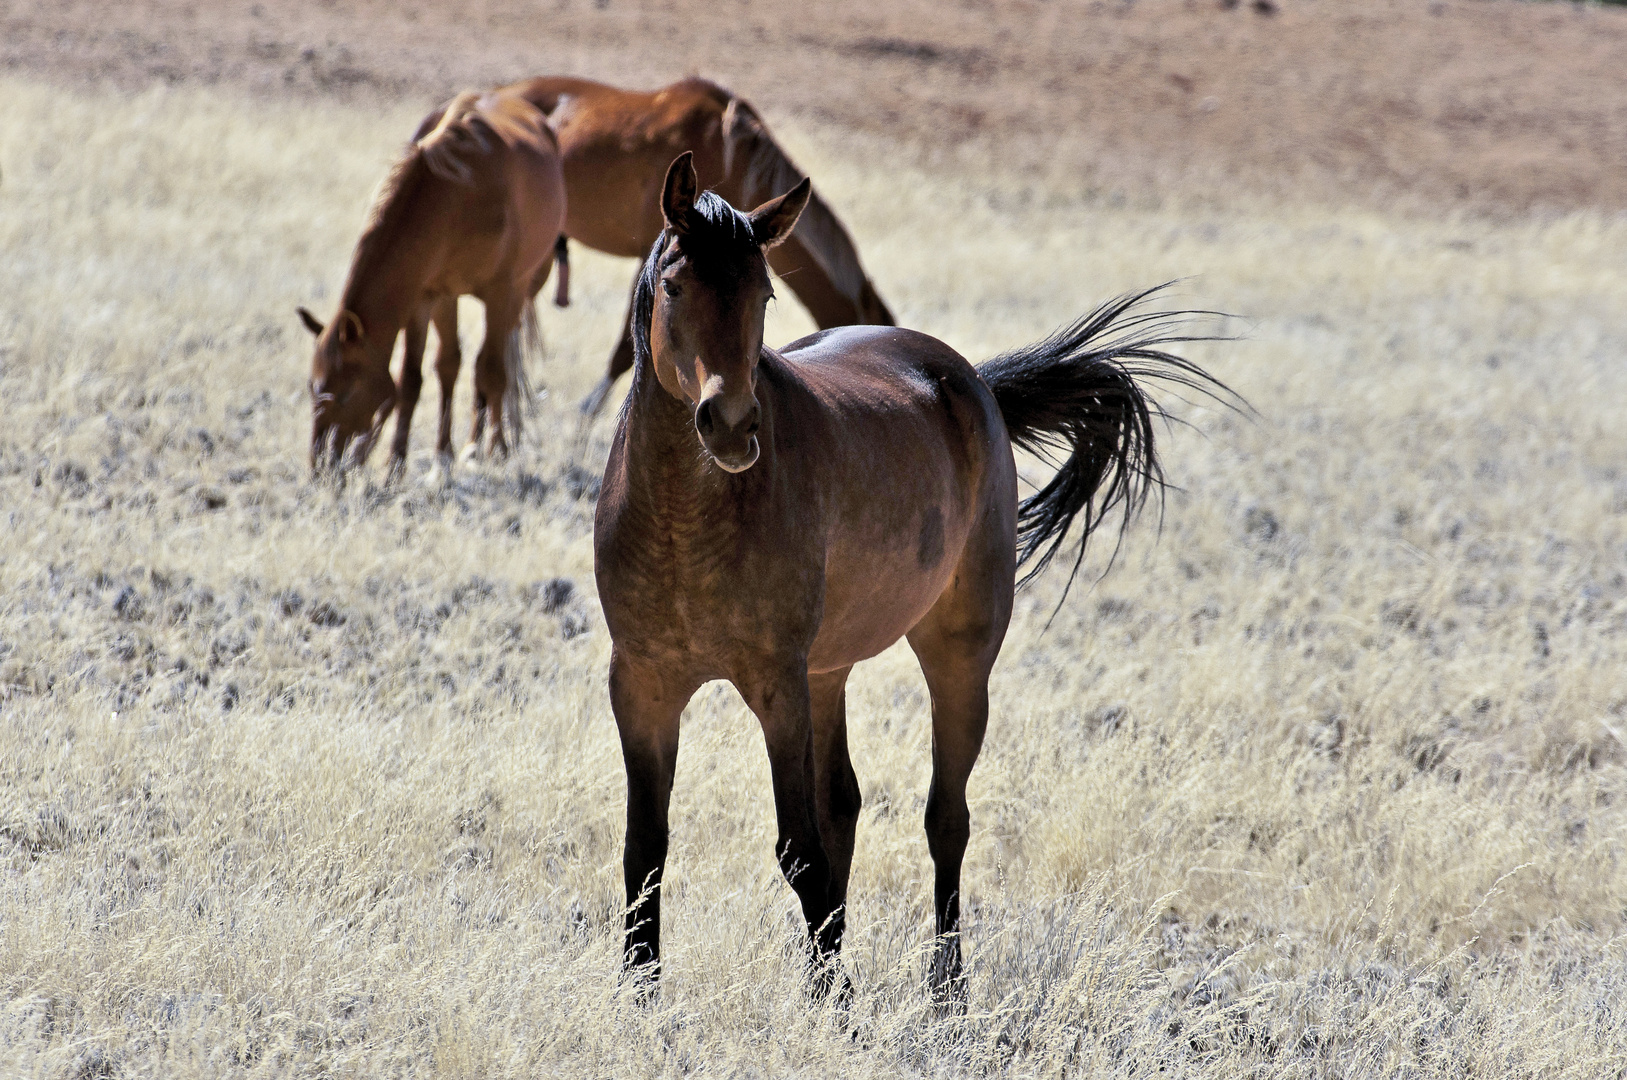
(474, 207)
(617, 145)
(773, 517)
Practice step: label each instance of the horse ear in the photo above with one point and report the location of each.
(351, 330)
(311, 322)
(772, 222)
(678, 196)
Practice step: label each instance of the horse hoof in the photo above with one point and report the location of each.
(831, 983)
(440, 473)
(470, 452)
(949, 999)
(644, 980)
(947, 979)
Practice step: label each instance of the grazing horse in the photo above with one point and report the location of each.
(617, 145)
(474, 207)
(774, 517)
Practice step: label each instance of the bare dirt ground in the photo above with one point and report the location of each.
(1498, 104)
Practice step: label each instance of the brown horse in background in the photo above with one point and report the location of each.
(617, 145)
(474, 207)
(774, 517)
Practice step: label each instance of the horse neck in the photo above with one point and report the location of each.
(821, 232)
(765, 170)
(666, 467)
(393, 256)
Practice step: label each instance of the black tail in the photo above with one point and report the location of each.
(1077, 391)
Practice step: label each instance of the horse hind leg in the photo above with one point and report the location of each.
(956, 644)
(621, 362)
(492, 375)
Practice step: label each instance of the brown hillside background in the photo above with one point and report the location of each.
(1497, 105)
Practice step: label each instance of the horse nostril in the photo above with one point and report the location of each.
(756, 420)
(703, 417)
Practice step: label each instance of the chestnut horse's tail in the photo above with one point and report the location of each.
(524, 342)
(1078, 391)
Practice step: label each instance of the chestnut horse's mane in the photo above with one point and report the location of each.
(769, 173)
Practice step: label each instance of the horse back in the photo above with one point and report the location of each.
(501, 190)
(855, 371)
(616, 146)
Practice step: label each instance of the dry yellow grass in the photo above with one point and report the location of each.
(1326, 779)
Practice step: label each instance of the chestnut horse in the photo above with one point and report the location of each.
(474, 207)
(617, 145)
(774, 517)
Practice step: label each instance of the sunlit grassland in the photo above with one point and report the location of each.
(1324, 776)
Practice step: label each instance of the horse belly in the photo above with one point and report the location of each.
(878, 587)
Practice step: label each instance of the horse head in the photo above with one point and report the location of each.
(702, 298)
(351, 389)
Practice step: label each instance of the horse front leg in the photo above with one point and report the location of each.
(448, 360)
(782, 702)
(647, 709)
(408, 389)
(838, 801)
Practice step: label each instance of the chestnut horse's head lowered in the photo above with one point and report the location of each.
(475, 206)
(351, 390)
(699, 304)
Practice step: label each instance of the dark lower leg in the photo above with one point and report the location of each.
(960, 711)
(948, 828)
(647, 721)
(837, 788)
(782, 706)
(645, 854)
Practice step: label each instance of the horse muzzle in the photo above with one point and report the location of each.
(729, 434)
(737, 463)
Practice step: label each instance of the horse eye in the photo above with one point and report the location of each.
(670, 287)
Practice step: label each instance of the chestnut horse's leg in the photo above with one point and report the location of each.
(647, 712)
(621, 362)
(407, 391)
(448, 359)
(781, 700)
(491, 373)
(956, 644)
